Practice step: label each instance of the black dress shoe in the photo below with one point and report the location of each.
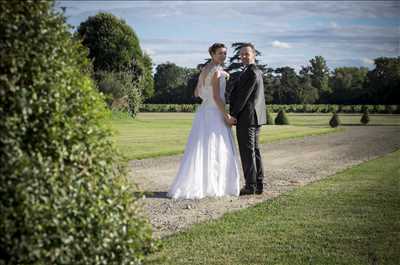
(259, 188)
(247, 191)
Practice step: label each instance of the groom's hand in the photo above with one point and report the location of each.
(230, 120)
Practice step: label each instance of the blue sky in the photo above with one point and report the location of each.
(288, 33)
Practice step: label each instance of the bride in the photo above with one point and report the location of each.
(209, 166)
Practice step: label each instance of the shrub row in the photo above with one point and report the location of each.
(293, 108)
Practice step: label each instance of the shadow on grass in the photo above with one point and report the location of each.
(152, 194)
(377, 125)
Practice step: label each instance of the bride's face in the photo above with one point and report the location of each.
(219, 56)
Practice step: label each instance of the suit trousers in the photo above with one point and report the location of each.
(248, 140)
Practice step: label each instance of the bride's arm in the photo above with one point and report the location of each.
(217, 97)
(199, 82)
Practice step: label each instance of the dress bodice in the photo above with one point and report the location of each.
(206, 90)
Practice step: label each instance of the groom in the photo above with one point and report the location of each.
(247, 106)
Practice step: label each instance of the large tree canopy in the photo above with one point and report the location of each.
(384, 81)
(113, 45)
(348, 85)
(118, 60)
(320, 77)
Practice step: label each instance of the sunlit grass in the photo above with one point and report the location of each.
(160, 134)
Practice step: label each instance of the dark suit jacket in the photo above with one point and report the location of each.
(247, 101)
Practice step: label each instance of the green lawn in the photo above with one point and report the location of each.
(350, 218)
(159, 134)
(321, 119)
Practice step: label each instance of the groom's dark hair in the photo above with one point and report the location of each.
(248, 44)
(215, 47)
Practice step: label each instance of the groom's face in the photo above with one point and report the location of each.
(247, 55)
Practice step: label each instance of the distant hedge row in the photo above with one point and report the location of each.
(293, 108)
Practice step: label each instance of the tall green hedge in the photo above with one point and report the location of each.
(64, 197)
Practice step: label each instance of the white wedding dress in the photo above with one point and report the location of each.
(210, 164)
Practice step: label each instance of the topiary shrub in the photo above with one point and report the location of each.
(134, 98)
(64, 197)
(365, 117)
(334, 121)
(281, 118)
(270, 120)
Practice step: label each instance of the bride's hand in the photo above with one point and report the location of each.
(227, 75)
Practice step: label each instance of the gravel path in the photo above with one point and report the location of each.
(288, 164)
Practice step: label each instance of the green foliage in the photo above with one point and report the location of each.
(365, 117)
(115, 50)
(397, 109)
(270, 120)
(315, 84)
(148, 83)
(168, 107)
(112, 84)
(320, 76)
(389, 109)
(307, 93)
(348, 84)
(289, 108)
(281, 118)
(113, 45)
(64, 196)
(134, 98)
(384, 81)
(334, 121)
(287, 86)
(121, 90)
(174, 84)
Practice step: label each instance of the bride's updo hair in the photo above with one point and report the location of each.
(215, 47)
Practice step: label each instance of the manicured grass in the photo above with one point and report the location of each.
(159, 134)
(350, 218)
(322, 119)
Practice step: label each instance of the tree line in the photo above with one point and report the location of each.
(124, 73)
(313, 84)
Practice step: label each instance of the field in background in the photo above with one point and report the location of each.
(160, 134)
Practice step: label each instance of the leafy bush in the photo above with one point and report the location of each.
(389, 109)
(168, 107)
(134, 98)
(397, 109)
(294, 108)
(270, 120)
(64, 197)
(111, 85)
(122, 91)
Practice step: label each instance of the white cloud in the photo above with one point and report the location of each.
(367, 61)
(181, 31)
(149, 52)
(334, 25)
(280, 45)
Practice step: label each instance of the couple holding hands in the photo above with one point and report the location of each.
(210, 164)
